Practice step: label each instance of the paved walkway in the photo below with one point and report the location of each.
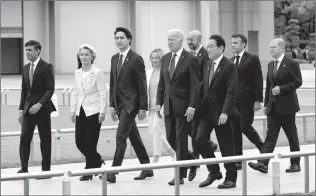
(258, 183)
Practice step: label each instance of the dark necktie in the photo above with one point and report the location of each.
(275, 68)
(193, 53)
(237, 60)
(172, 65)
(31, 72)
(119, 64)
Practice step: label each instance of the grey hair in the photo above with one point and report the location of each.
(178, 32)
(281, 42)
(90, 48)
(196, 33)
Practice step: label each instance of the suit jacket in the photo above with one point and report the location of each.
(91, 95)
(182, 90)
(220, 94)
(129, 85)
(202, 58)
(249, 86)
(288, 78)
(42, 89)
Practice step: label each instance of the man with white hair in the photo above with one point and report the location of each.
(281, 104)
(178, 91)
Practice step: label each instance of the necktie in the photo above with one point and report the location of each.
(119, 64)
(194, 53)
(31, 73)
(211, 69)
(172, 65)
(275, 68)
(237, 60)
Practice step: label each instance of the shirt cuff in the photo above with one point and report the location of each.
(191, 108)
(143, 110)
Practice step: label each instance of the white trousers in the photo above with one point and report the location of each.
(157, 128)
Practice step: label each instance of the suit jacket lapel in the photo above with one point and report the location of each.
(281, 67)
(270, 72)
(115, 66)
(207, 75)
(128, 57)
(79, 79)
(166, 64)
(242, 60)
(27, 76)
(37, 70)
(178, 64)
(218, 69)
(91, 76)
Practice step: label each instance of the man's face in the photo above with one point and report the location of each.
(213, 50)
(31, 53)
(121, 40)
(174, 42)
(193, 42)
(275, 49)
(237, 45)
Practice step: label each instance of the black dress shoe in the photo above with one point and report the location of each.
(238, 166)
(85, 178)
(110, 178)
(214, 147)
(22, 171)
(226, 185)
(259, 167)
(293, 168)
(172, 182)
(192, 173)
(211, 178)
(144, 174)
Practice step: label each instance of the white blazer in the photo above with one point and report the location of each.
(91, 95)
(149, 73)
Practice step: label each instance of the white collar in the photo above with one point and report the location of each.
(240, 54)
(179, 52)
(36, 62)
(197, 50)
(280, 58)
(125, 52)
(218, 59)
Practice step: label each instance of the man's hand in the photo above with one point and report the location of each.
(158, 108)
(141, 114)
(20, 117)
(73, 117)
(35, 108)
(222, 119)
(276, 90)
(101, 117)
(113, 114)
(257, 106)
(189, 114)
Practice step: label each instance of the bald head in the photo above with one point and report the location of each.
(194, 39)
(175, 40)
(277, 47)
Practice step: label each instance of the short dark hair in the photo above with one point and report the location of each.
(34, 43)
(219, 40)
(241, 36)
(126, 32)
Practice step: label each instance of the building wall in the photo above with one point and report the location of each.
(11, 14)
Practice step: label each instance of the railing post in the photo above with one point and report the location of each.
(26, 186)
(6, 97)
(104, 184)
(304, 129)
(276, 176)
(176, 181)
(69, 95)
(57, 146)
(64, 96)
(306, 173)
(66, 185)
(264, 124)
(244, 178)
(32, 150)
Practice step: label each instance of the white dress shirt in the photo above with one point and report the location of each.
(177, 57)
(124, 54)
(217, 61)
(35, 64)
(197, 50)
(280, 59)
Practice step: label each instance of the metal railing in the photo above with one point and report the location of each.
(67, 90)
(58, 132)
(66, 182)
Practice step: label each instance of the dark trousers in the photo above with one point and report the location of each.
(225, 140)
(127, 129)
(87, 136)
(177, 131)
(275, 122)
(241, 122)
(43, 122)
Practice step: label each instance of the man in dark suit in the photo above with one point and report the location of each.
(249, 95)
(178, 91)
(215, 110)
(197, 50)
(128, 97)
(281, 104)
(38, 85)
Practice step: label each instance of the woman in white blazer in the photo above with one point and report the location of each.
(156, 125)
(88, 107)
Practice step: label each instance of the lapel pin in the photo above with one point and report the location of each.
(284, 65)
(199, 54)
